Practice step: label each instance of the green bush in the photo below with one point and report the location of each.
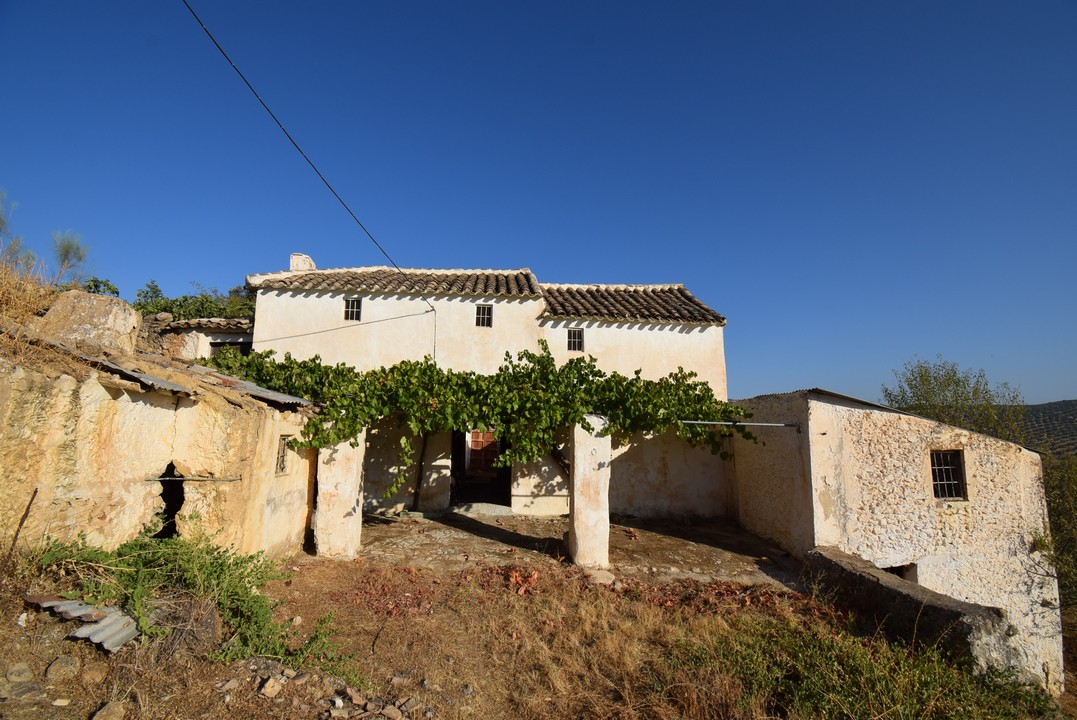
(141, 573)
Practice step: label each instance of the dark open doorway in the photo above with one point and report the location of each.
(475, 477)
(172, 494)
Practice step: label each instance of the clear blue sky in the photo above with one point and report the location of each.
(852, 184)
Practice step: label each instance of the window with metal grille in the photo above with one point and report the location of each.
(575, 339)
(948, 475)
(353, 309)
(484, 316)
(282, 454)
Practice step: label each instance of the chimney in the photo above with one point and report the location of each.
(299, 261)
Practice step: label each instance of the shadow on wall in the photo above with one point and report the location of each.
(381, 465)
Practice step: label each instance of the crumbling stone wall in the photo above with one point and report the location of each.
(903, 610)
(94, 449)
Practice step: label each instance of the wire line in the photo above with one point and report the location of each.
(297, 147)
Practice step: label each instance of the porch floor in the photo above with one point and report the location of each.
(658, 550)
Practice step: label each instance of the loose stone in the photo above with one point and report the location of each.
(19, 672)
(391, 712)
(94, 673)
(271, 687)
(26, 690)
(111, 711)
(63, 667)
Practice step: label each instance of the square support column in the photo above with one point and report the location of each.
(589, 496)
(338, 517)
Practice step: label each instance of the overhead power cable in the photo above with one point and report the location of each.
(299, 149)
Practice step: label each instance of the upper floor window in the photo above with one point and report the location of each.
(484, 316)
(353, 309)
(575, 339)
(948, 475)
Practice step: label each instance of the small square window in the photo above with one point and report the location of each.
(282, 453)
(575, 339)
(948, 475)
(353, 309)
(484, 316)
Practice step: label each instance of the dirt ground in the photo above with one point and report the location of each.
(402, 610)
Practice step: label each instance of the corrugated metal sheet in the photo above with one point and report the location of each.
(144, 379)
(248, 388)
(108, 627)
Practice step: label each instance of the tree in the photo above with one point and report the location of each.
(100, 286)
(70, 255)
(207, 302)
(943, 391)
(12, 252)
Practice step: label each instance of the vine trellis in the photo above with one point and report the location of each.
(526, 402)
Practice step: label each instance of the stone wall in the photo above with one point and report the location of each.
(95, 449)
(905, 610)
(874, 499)
(857, 477)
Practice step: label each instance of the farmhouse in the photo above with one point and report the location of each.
(927, 507)
(370, 317)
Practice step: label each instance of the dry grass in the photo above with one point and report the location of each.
(25, 295)
(539, 641)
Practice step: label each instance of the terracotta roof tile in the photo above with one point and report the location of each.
(651, 303)
(647, 303)
(503, 283)
(238, 324)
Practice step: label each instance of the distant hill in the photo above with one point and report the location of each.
(1057, 421)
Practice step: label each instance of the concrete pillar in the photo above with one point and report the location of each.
(589, 496)
(437, 474)
(338, 517)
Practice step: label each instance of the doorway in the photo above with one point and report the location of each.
(475, 477)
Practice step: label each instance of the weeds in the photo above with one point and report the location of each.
(146, 576)
(794, 668)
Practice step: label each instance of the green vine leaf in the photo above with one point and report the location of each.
(525, 403)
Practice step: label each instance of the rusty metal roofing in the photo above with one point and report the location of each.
(236, 324)
(217, 378)
(645, 303)
(497, 283)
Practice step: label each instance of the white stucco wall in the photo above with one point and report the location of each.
(650, 476)
(655, 348)
(858, 478)
(394, 328)
(399, 327)
(382, 466)
(874, 499)
(773, 484)
(663, 476)
(191, 344)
